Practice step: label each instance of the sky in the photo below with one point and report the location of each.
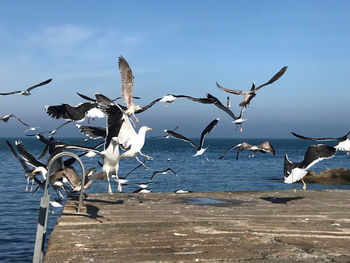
(181, 47)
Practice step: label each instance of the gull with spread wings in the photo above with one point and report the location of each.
(26, 92)
(250, 94)
(263, 147)
(200, 149)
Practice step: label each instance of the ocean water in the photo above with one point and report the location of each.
(19, 209)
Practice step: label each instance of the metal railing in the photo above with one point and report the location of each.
(44, 206)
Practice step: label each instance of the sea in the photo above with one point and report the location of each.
(20, 209)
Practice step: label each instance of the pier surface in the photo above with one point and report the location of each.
(268, 226)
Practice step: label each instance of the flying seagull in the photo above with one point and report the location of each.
(27, 171)
(295, 171)
(162, 172)
(75, 113)
(127, 83)
(128, 139)
(138, 110)
(249, 95)
(343, 141)
(53, 132)
(200, 149)
(263, 147)
(27, 91)
(210, 99)
(6, 117)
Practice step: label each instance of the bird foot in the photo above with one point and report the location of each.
(149, 157)
(119, 187)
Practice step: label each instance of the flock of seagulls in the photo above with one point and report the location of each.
(121, 140)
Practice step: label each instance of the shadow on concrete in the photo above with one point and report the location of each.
(280, 200)
(118, 202)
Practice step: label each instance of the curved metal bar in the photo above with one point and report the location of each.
(44, 206)
(69, 154)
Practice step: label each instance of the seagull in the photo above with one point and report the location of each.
(248, 95)
(263, 147)
(74, 113)
(138, 110)
(27, 171)
(210, 99)
(162, 172)
(128, 139)
(295, 171)
(6, 117)
(343, 141)
(200, 149)
(53, 132)
(27, 91)
(127, 83)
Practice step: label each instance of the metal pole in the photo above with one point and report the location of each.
(44, 206)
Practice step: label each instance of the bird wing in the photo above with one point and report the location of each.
(114, 117)
(206, 131)
(274, 78)
(133, 169)
(267, 146)
(10, 93)
(77, 147)
(22, 161)
(159, 172)
(127, 80)
(343, 138)
(69, 112)
(200, 100)
(86, 97)
(228, 150)
(43, 153)
(63, 124)
(218, 104)
(316, 153)
(181, 137)
(232, 91)
(40, 84)
(242, 146)
(93, 132)
(149, 105)
(28, 156)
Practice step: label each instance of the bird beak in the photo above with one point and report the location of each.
(149, 129)
(34, 171)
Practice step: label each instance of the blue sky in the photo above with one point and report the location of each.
(181, 47)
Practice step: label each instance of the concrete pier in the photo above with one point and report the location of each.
(267, 226)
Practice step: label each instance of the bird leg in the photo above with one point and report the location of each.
(109, 185)
(141, 163)
(31, 186)
(304, 186)
(295, 189)
(27, 185)
(148, 157)
(136, 119)
(119, 184)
